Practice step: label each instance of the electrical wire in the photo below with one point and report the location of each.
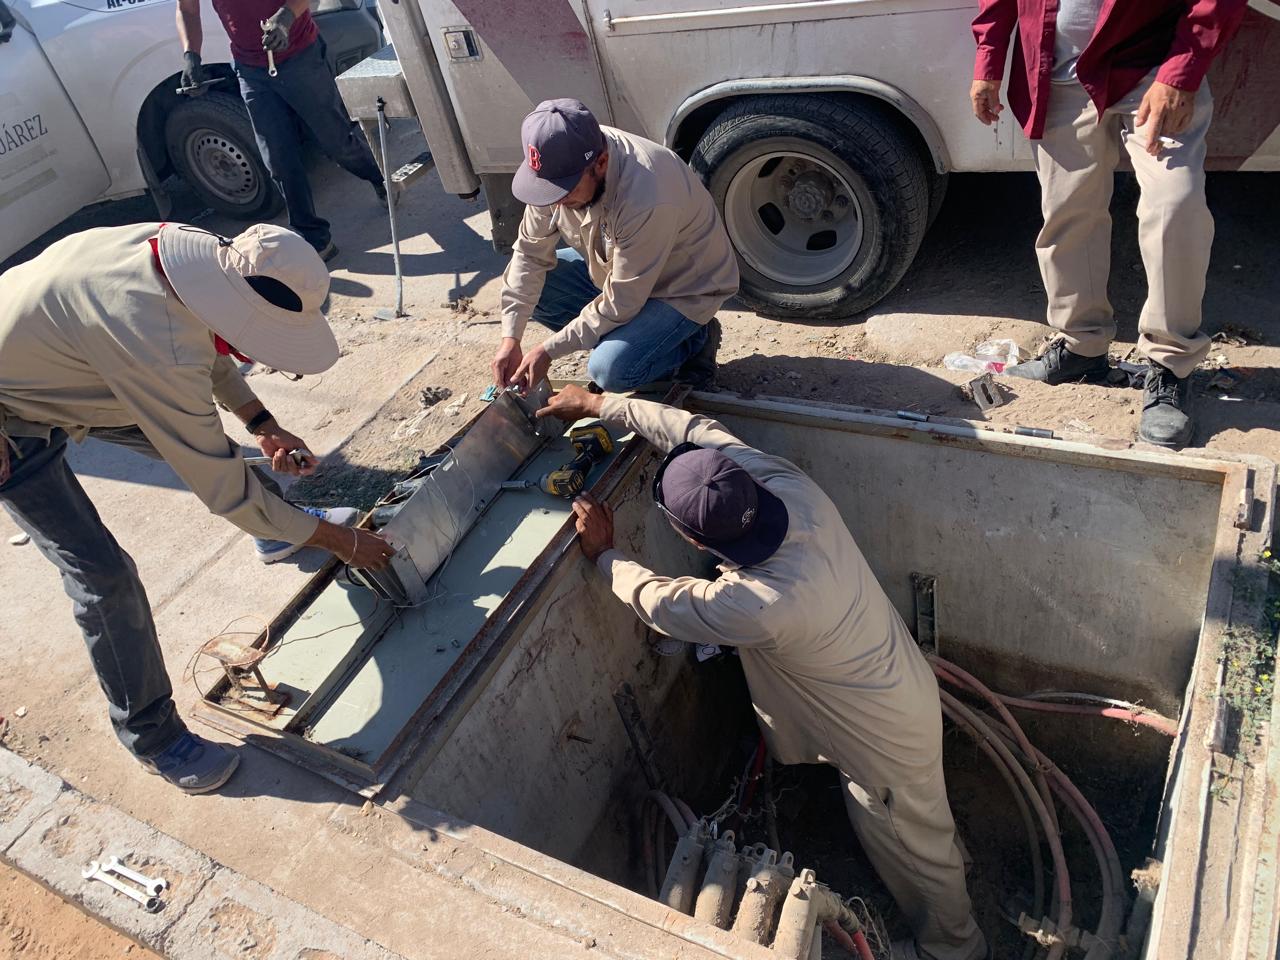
(1114, 898)
(976, 727)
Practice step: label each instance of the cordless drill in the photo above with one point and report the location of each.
(591, 444)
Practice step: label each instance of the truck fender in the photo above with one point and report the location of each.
(151, 116)
(729, 90)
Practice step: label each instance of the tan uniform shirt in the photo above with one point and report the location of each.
(834, 675)
(655, 234)
(92, 335)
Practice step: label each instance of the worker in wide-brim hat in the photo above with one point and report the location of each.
(834, 674)
(132, 334)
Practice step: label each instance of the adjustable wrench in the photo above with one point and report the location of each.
(95, 872)
(153, 887)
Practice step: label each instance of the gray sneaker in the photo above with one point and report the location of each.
(1165, 401)
(193, 764)
(1059, 365)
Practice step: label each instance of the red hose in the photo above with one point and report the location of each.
(976, 726)
(1099, 839)
(1156, 722)
(855, 944)
(951, 672)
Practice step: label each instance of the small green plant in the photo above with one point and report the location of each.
(1250, 658)
(1220, 788)
(1270, 561)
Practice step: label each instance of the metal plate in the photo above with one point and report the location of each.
(438, 516)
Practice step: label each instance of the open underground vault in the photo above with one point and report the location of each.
(517, 694)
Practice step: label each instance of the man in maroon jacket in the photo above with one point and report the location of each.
(1090, 77)
(300, 92)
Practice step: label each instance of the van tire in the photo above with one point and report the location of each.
(211, 145)
(826, 201)
(937, 193)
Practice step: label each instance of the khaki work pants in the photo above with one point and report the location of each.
(1075, 161)
(910, 838)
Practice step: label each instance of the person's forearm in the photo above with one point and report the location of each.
(993, 30)
(340, 541)
(190, 31)
(1201, 34)
(299, 7)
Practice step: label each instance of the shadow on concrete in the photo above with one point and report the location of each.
(348, 288)
(859, 382)
(110, 461)
(462, 250)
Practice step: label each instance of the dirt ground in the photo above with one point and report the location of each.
(38, 925)
(974, 278)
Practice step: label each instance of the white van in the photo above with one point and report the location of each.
(89, 109)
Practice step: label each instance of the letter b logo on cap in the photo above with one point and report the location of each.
(535, 158)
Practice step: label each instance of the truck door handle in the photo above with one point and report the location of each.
(6, 23)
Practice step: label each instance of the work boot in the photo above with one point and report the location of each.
(1059, 365)
(1165, 401)
(380, 191)
(193, 764)
(269, 551)
(699, 371)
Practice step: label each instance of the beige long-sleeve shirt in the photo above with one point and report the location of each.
(654, 234)
(92, 335)
(834, 674)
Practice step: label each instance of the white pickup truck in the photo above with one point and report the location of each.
(824, 129)
(89, 109)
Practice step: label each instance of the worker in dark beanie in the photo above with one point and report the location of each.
(834, 674)
(303, 93)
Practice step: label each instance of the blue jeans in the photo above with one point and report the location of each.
(46, 500)
(303, 94)
(652, 346)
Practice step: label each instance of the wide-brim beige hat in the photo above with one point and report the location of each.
(208, 274)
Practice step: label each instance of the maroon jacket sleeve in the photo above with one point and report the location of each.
(992, 29)
(1203, 31)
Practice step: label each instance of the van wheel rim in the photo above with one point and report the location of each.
(794, 218)
(222, 167)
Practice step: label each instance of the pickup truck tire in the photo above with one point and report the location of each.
(211, 145)
(826, 201)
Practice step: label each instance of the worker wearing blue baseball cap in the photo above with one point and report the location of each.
(643, 263)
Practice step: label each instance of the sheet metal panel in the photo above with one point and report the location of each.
(453, 496)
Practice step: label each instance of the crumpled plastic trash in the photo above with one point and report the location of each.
(990, 356)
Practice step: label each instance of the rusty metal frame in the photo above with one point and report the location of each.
(479, 657)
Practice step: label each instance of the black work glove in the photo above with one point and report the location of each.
(275, 30)
(192, 73)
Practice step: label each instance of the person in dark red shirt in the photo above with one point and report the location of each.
(1089, 78)
(303, 93)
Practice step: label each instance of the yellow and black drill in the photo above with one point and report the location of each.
(591, 444)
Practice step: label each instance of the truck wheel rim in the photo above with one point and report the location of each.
(222, 166)
(794, 218)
